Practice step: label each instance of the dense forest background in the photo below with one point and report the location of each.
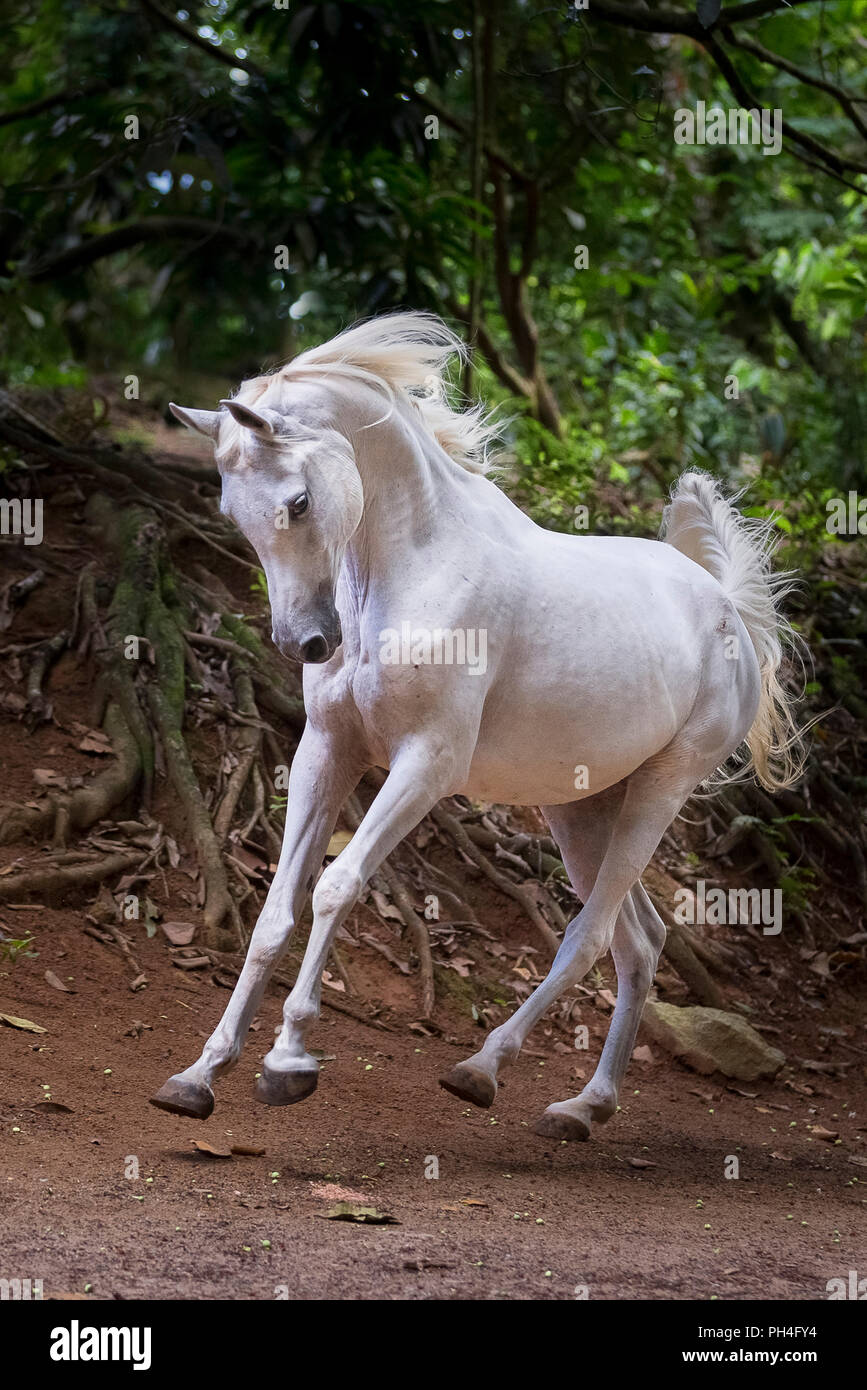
(190, 195)
(455, 156)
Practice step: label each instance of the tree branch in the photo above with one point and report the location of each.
(844, 99)
(35, 108)
(190, 35)
(492, 153)
(837, 163)
(504, 371)
(681, 21)
(130, 234)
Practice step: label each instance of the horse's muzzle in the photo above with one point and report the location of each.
(319, 643)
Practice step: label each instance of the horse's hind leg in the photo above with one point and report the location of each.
(654, 794)
(582, 829)
(638, 938)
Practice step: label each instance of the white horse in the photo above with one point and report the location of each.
(363, 494)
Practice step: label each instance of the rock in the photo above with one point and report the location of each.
(710, 1040)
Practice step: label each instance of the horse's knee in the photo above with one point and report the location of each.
(265, 956)
(336, 890)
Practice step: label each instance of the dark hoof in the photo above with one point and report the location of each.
(559, 1124)
(285, 1087)
(179, 1097)
(470, 1083)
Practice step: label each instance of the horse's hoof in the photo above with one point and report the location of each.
(285, 1087)
(560, 1124)
(470, 1083)
(183, 1097)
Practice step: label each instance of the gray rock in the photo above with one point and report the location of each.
(710, 1040)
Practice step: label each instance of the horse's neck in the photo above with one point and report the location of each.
(413, 493)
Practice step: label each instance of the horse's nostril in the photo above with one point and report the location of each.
(315, 650)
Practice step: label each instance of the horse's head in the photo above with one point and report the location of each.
(292, 486)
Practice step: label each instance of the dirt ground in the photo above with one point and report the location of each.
(103, 1196)
(509, 1216)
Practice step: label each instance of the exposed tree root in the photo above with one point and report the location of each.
(41, 660)
(65, 878)
(521, 893)
(249, 741)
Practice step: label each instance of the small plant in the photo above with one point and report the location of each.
(13, 947)
(260, 585)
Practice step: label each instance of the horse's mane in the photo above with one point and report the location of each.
(406, 356)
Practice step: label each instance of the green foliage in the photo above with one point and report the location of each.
(13, 947)
(705, 263)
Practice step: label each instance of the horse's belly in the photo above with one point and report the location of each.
(545, 765)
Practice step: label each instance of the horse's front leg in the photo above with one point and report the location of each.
(320, 780)
(419, 776)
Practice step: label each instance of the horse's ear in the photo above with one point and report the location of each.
(206, 422)
(250, 419)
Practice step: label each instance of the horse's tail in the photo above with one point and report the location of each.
(737, 550)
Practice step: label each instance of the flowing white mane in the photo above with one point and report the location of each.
(404, 355)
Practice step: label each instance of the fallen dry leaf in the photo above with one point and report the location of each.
(819, 1132)
(57, 983)
(640, 1163)
(384, 907)
(338, 842)
(95, 742)
(362, 1216)
(23, 1023)
(801, 1090)
(179, 933)
(215, 1150)
(819, 965)
(461, 964)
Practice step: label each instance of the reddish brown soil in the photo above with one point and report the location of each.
(509, 1216)
(544, 1218)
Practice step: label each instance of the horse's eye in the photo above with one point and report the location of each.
(297, 506)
